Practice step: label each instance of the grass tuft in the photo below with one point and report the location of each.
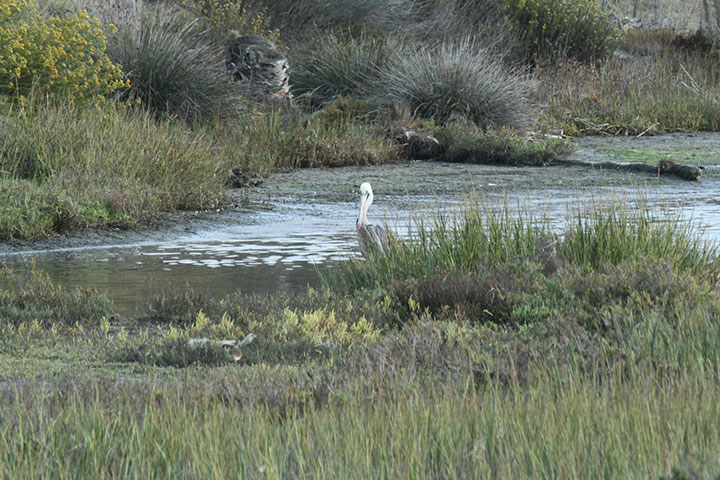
(456, 80)
(172, 67)
(337, 66)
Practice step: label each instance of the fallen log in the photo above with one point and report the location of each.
(664, 167)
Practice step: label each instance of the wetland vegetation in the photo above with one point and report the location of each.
(486, 345)
(468, 352)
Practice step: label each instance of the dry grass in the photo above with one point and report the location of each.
(665, 92)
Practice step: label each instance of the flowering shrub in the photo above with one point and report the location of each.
(579, 29)
(58, 55)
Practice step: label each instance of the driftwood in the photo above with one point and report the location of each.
(664, 167)
(196, 342)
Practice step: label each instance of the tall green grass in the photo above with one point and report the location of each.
(573, 429)
(602, 236)
(66, 167)
(594, 237)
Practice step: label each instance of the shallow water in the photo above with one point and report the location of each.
(299, 221)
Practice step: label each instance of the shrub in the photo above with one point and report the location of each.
(58, 55)
(302, 19)
(454, 19)
(221, 17)
(171, 67)
(456, 80)
(578, 29)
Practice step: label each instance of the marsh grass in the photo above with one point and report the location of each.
(457, 240)
(109, 167)
(601, 236)
(594, 236)
(643, 429)
(488, 345)
(174, 353)
(29, 297)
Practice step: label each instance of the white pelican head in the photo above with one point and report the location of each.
(366, 199)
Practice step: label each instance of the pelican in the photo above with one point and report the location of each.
(369, 236)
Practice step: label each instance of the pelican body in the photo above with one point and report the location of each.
(369, 236)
